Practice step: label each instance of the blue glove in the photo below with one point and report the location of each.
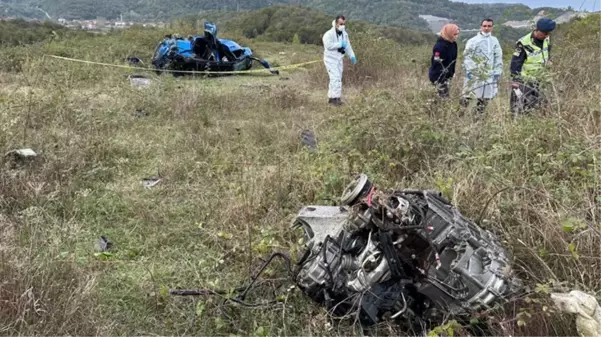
(354, 60)
(469, 76)
(343, 44)
(496, 78)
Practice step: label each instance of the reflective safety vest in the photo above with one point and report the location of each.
(536, 59)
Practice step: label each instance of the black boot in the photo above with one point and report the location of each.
(335, 101)
(481, 106)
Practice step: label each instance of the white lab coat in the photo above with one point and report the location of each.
(483, 58)
(334, 59)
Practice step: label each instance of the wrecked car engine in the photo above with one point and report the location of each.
(399, 254)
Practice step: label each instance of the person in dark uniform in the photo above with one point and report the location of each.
(443, 60)
(529, 67)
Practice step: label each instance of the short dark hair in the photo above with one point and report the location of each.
(340, 17)
(487, 20)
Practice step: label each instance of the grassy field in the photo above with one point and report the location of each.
(234, 173)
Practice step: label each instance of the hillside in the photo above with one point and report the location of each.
(386, 12)
(20, 32)
(283, 23)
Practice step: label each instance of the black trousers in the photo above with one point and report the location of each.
(525, 98)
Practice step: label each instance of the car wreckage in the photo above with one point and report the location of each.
(204, 54)
(400, 254)
(407, 256)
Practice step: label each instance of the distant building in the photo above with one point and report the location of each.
(563, 18)
(100, 22)
(435, 22)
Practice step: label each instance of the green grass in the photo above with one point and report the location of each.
(235, 173)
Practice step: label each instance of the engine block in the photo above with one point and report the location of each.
(399, 253)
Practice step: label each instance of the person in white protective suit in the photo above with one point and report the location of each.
(336, 45)
(483, 66)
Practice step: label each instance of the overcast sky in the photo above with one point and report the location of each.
(589, 5)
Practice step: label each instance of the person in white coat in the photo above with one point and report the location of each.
(483, 67)
(336, 45)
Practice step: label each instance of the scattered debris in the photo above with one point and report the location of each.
(150, 182)
(140, 113)
(21, 153)
(585, 306)
(133, 60)
(139, 81)
(104, 244)
(282, 53)
(308, 139)
(15, 158)
(284, 78)
(103, 247)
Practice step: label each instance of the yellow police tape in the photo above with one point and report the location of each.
(292, 66)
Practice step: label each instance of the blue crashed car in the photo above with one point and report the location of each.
(204, 53)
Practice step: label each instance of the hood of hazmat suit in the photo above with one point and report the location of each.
(483, 62)
(333, 56)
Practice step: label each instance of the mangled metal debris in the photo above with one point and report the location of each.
(406, 254)
(205, 54)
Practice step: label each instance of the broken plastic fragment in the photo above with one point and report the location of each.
(150, 182)
(139, 81)
(104, 244)
(22, 153)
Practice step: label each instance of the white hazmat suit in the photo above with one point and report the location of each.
(483, 66)
(333, 58)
